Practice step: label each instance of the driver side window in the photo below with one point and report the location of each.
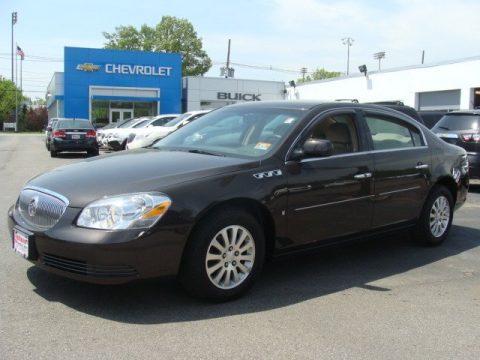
(340, 130)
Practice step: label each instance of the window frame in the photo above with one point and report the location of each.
(364, 145)
(400, 120)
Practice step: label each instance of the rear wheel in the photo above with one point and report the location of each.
(436, 218)
(224, 256)
(53, 153)
(93, 152)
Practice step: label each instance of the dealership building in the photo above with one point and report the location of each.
(106, 86)
(450, 85)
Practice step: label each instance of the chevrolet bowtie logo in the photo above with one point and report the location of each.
(87, 67)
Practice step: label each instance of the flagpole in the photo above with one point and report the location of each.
(16, 92)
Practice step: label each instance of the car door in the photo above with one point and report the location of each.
(401, 173)
(331, 196)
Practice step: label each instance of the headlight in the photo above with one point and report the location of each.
(127, 211)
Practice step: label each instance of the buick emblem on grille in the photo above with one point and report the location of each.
(32, 206)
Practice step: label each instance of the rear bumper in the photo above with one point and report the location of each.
(474, 165)
(74, 145)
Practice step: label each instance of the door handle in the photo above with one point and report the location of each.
(363, 176)
(421, 166)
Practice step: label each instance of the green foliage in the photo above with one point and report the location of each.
(7, 100)
(320, 74)
(170, 35)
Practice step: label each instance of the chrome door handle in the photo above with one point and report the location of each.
(363, 176)
(421, 166)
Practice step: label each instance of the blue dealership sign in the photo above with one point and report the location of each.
(119, 75)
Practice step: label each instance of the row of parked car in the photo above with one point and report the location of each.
(144, 131)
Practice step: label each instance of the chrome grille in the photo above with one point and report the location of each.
(40, 208)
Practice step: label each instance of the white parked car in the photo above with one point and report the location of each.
(159, 120)
(104, 132)
(148, 138)
(117, 137)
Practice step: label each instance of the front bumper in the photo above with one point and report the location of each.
(104, 257)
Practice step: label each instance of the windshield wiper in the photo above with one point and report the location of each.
(203, 152)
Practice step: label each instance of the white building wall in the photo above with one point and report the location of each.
(399, 84)
(198, 89)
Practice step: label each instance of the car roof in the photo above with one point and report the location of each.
(464, 112)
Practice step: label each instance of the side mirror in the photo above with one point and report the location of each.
(49, 128)
(318, 148)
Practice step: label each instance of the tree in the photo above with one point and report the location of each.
(320, 74)
(170, 35)
(7, 99)
(35, 119)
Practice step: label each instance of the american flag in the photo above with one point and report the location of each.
(20, 52)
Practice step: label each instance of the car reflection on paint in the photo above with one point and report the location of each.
(213, 200)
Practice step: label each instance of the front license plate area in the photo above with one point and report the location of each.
(22, 242)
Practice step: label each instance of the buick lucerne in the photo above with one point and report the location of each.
(245, 183)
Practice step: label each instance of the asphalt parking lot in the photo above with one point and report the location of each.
(383, 299)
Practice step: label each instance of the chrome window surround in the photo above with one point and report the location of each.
(349, 110)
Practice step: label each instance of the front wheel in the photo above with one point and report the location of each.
(436, 218)
(224, 256)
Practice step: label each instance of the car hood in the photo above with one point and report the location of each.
(133, 171)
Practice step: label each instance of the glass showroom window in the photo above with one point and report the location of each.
(100, 113)
(147, 108)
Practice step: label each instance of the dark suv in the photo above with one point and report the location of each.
(462, 128)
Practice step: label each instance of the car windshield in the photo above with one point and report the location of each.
(458, 122)
(236, 131)
(141, 124)
(73, 124)
(178, 119)
(126, 123)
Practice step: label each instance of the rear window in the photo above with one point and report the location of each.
(458, 122)
(73, 124)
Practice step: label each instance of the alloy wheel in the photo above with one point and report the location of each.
(230, 257)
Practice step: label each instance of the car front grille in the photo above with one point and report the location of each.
(40, 208)
(83, 268)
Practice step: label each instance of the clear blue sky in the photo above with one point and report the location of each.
(285, 34)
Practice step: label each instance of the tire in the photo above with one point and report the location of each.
(124, 145)
(93, 152)
(53, 153)
(436, 219)
(216, 271)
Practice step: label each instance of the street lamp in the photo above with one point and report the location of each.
(14, 21)
(349, 42)
(379, 56)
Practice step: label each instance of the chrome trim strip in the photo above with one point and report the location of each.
(399, 191)
(362, 153)
(335, 202)
(48, 192)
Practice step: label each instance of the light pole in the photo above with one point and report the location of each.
(349, 42)
(14, 21)
(303, 71)
(379, 56)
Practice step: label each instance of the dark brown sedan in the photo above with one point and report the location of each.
(213, 200)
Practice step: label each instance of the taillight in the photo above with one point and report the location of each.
(59, 134)
(91, 133)
(471, 137)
